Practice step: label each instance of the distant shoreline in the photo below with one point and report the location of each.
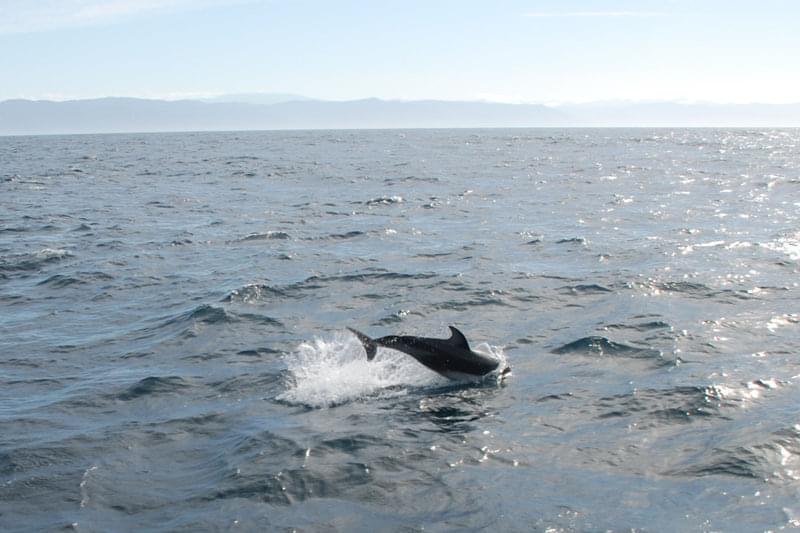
(135, 115)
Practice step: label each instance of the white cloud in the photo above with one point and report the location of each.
(28, 16)
(598, 14)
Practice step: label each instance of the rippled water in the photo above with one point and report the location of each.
(173, 352)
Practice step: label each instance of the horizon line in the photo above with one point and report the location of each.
(204, 99)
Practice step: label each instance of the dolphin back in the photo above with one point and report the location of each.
(370, 346)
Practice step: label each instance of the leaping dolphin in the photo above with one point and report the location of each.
(451, 357)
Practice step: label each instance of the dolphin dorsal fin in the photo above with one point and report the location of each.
(458, 339)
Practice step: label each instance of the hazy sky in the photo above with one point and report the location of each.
(543, 51)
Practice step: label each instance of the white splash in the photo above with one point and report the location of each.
(787, 244)
(49, 253)
(328, 372)
(331, 371)
(84, 481)
(780, 321)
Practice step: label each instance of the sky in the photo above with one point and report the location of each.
(531, 51)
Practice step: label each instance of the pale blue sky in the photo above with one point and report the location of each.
(542, 51)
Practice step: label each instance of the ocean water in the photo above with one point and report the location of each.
(173, 351)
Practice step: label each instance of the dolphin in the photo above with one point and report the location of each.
(451, 357)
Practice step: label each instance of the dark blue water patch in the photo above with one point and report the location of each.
(236, 159)
(264, 383)
(739, 462)
(601, 346)
(24, 362)
(641, 326)
(152, 386)
(112, 244)
(205, 313)
(421, 179)
(182, 325)
(339, 236)
(31, 459)
(264, 442)
(588, 289)
(259, 352)
(555, 397)
(762, 460)
(572, 240)
(36, 382)
(269, 235)
(657, 407)
(14, 299)
(259, 319)
(160, 205)
(137, 354)
(32, 262)
(433, 255)
(367, 278)
(295, 485)
(60, 281)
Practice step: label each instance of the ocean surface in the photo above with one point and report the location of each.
(173, 351)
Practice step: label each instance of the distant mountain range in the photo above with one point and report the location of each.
(265, 112)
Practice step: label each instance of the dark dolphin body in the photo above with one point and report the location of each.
(451, 357)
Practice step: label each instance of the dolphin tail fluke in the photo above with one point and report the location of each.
(369, 345)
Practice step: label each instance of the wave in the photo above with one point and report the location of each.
(256, 292)
(60, 281)
(573, 240)
(658, 407)
(292, 485)
(184, 325)
(207, 314)
(597, 345)
(775, 459)
(154, 385)
(347, 235)
(269, 235)
(642, 326)
(367, 277)
(15, 229)
(213, 315)
(787, 243)
(692, 290)
(587, 289)
(338, 236)
(385, 200)
(32, 261)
